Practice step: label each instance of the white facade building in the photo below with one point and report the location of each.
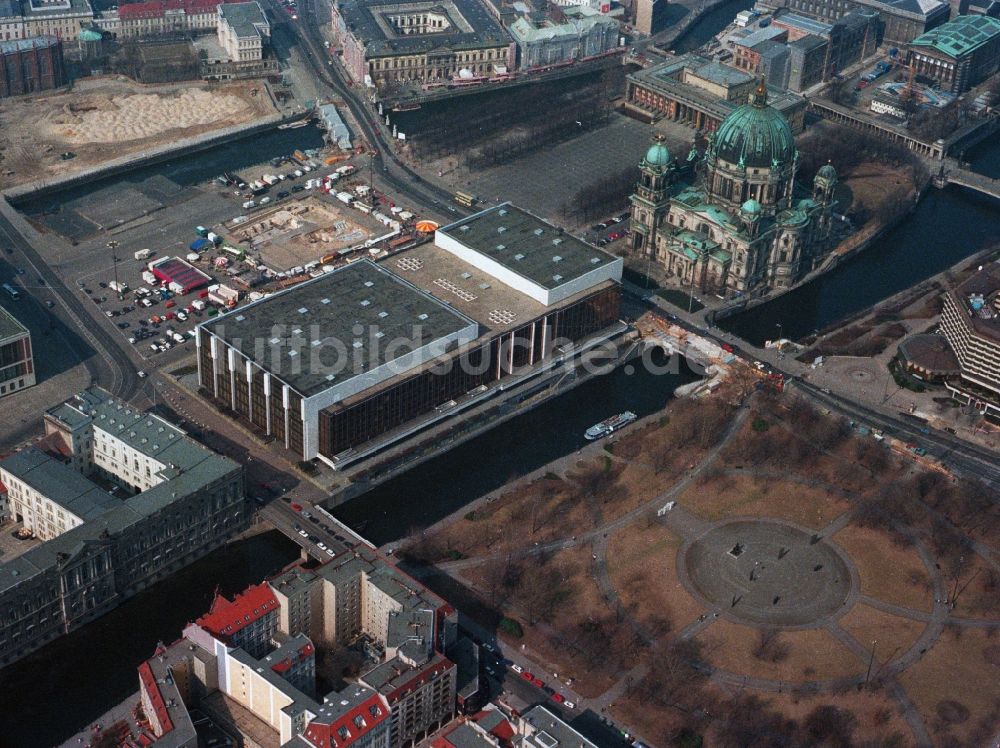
(243, 31)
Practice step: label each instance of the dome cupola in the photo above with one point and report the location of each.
(658, 156)
(754, 135)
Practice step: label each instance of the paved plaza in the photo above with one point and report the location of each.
(769, 573)
(558, 172)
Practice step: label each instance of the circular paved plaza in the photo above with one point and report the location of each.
(765, 572)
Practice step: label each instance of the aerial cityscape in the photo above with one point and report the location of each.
(499, 373)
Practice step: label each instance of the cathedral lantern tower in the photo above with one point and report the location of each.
(651, 196)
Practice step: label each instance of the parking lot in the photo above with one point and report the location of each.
(156, 320)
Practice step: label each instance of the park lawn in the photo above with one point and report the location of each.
(887, 571)
(977, 595)
(894, 634)
(656, 726)
(728, 496)
(553, 642)
(642, 565)
(879, 718)
(956, 669)
(813, 654)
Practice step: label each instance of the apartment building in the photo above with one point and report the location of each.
(123, 499)
(256, 654)
(970, 322)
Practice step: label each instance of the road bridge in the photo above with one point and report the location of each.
(952, 172)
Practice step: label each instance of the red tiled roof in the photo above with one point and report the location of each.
(503, 730)
(157, 8)
(175, 270)
(323, 735)
(419, 679)
(155, 698)
(226, 618)
(282, 666)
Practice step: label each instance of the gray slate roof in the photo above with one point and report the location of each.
(59, 482)
(322, 320)
(9, 326)
(527, 245)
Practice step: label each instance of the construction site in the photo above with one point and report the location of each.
(303, 232)
(724, 373)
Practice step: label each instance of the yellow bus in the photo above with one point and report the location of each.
(463, 198)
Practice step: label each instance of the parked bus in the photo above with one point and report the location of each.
(464, 198)
(11, 291)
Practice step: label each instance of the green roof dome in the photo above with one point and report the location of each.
(827, 172)
(755, 134)
(752, 207)
(657, 155)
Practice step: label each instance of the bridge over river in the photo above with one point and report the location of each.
(952, 172)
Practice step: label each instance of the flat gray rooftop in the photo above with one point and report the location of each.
(527, 245)
(244, 18)
(9, 326)
(302, 335)
(556, 731)
(59, 482)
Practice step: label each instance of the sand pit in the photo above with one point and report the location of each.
(99, 112)
(113, 119)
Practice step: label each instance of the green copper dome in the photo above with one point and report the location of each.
(752, 207)
(755, 135)
(657, 155)
(826, 171)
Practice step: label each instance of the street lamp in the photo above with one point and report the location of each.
(113, 245)
(871, 659)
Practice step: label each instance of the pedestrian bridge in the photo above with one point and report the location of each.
(952, 173)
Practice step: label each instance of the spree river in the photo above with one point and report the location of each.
(447, 483)
(947, 226)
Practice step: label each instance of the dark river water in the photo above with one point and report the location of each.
(709, 25)
(523, 444)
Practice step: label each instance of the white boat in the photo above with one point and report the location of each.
(293, 125)
(609, 425)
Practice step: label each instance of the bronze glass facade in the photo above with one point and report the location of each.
(393, 404)
(341, 428)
